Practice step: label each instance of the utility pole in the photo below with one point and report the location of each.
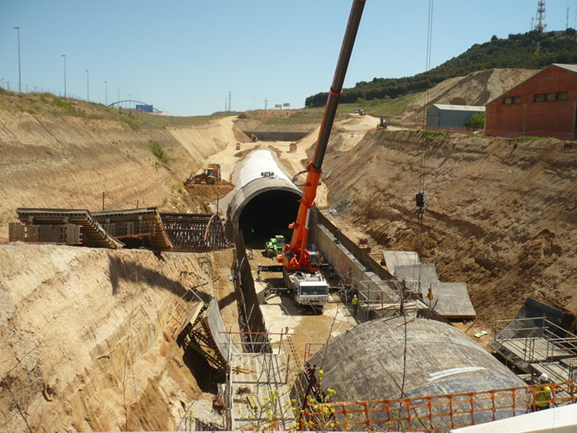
(87, 86)
(64, 55)
(19, 64)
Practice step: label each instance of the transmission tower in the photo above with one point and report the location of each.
(229, 97)
(540, 25)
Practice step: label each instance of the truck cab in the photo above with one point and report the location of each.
(309, 288)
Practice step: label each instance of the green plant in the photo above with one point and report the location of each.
(319, 415)
(264, 415)
(527, 138)
(158, 152)
(397, 423)
(476, 121)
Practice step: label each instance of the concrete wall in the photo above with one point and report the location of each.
(351, 270)
(277, 135)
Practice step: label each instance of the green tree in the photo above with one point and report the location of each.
(476, 121)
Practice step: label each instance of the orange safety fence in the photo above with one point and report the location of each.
(437, 412)
(506, 133)
(537, 133)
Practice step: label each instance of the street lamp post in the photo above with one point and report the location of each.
(19, 64)
(106, 93)
(87, 85)
(64, 55)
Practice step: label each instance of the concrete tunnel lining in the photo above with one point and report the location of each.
(262, 206)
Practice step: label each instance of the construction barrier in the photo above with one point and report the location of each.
(434, 413)
(539, 133)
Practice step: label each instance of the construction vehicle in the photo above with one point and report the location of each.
(253, 138)
(362, 113)
(309, 288)
(382, 124)
(300, 266)
(209, 175)
(274, 246)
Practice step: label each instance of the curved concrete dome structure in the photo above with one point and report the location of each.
(265, 201)
(366, 362)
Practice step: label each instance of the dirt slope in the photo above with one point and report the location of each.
(500, 216)
(477, 88)
(52, 159)
(85, 337)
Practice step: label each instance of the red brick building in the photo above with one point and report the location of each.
(545, 105)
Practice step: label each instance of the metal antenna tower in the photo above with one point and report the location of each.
(229, 96)
(540, 18)
(567, 23)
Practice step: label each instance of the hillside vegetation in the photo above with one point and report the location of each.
(531, 50)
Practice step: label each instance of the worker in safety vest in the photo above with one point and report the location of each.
(355, 303)
(542, 393)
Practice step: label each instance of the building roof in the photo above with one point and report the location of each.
(459, 107)
(572, 68)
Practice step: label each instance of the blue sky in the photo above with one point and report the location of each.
(184, 57)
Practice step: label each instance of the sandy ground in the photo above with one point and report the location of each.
(305, 325)
(499, 217)
(477, 88)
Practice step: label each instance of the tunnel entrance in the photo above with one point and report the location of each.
(268, 214)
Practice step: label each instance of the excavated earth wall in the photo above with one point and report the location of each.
(54, 160)
(86, 341)
(501, 214)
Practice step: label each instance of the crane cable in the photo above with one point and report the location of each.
(421, 197)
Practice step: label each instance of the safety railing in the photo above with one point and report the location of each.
(435, 413)
(521, 335)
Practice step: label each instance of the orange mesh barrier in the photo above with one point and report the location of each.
(436, 412)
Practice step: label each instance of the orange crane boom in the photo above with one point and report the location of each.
(295, 255)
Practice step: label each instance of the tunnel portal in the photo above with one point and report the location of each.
(268, 214)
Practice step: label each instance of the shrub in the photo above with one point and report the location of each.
(476, 121)
(157, 151)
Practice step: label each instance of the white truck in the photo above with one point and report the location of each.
(308, 288)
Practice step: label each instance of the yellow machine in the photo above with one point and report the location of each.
(209, 175)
